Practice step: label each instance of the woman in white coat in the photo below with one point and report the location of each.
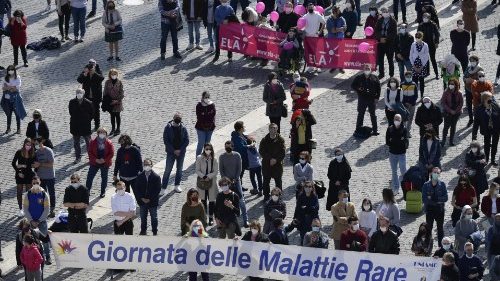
(419, 58)
(206, 183)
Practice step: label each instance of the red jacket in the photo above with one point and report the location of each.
(109, 151)
(486, 206)
(18, 35)
(31, 257)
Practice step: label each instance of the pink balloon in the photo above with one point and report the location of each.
(260, 7)
(319, 9)
(301, 23)
(369, 31)
(275, 16)
(300, 10)
(288, 46)
(363, 47)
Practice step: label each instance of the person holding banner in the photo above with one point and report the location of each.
(222, 12)
(447, 247)
(384, 240)
(196, 229)
(470, 266)
(353, 239)
(255, 235)
(367, 86)
(315, 23)
(385, 33)
(226, 211)
(449, 270)
(288, 18)
(306, 209)
(316, 238)
(76, 199)
(279, 234)
(123, 208)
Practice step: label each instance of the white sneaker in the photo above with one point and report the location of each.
(178, 189)
(190, 47)
(20, 213)
(162, 191)
(210, 50)
(81, 39)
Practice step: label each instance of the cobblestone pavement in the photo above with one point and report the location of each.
(155, 89)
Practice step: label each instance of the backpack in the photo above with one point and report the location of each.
(362, 132)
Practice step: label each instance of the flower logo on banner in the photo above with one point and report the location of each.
(330, 52)
(244, 38)
(64, 247)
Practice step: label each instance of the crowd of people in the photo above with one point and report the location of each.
(218, 199)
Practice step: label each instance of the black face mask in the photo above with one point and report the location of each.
(311, 10)
(111, 7)
(229, 149)
(177, 120)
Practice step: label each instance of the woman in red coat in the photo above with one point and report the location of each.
(18, 35)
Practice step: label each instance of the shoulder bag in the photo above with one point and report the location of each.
(205, 184)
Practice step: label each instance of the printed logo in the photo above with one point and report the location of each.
(64, 247)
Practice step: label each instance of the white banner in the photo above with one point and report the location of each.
(172, 254)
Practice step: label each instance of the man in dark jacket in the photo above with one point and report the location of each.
(428, 117)
(449, 270)
(385, 33)
(403, 47)
(431, 37)
(176, 140)
(91, 81)
(397, 140)
(272, 150)
(367, 86)
(5, 8)
(434, 197)
(384, 240)
(146, 189)
(81, 111)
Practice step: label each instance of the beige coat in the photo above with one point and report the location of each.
(341, 213)
(469, 10)
(201, 168)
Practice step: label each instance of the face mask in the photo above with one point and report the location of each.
(147, 168)
(385, 15)
(302, 161)
(206, 100)
(111, 7)
(451, 87)
(316, 228)
(427, 105)
(37, 146)
(366, 207)
(473, 64)
(75, 185)
(274, 81)
(224, 188)
(225, 3)
(383, 228)
(27, 147)
(373, 13)
(367, 72)
(345, 200)
(275, 198)
(397, 123)
(408, 79)
(426, 19)
(229, 149)
(482, 79)
(496, 192)
(177, 120)
(435, 176)
(355, 227)
(114, 77)
(36, 186)
(339, 158)
(418, 40)
(79, 96)
(474, 150)
(392, 84)
(102, 136)
(307, 189)
(208, 151)
(11, 72)
(468, 217)
(196, 229)
(402, 30)
(310, 10)
(460, 26)
(446, 247)
(255, 231)
(120, 192)
(348, 5)
(288, 10)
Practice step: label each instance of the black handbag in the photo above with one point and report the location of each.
(205, 184)
(178, 20)
(284, 110)
(106, 103)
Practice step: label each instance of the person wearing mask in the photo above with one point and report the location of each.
(410, 97)
(336, 25)
(222, 13)
(422, 242)
(493, 243)
(451, 103)
(113, 99)
(26, 229)
(123, 207)
(76, 199)
(367, 218)
(128, 162)
(419, 58)
(315, 238)
(146, 189)
(396, 139)
(490, 205)
(353, 239)
(301, 134)
(113, 30)
(254, 167)
(240, 145)
(404, 41)
(475, 161)
(81, 111)
(272, 150)
(446, 248)
(18, 35)
(23, 165)
(255, 234)
(478, 87)
(460, 40)
(205, 121)
(351, 18)
(303, 171)
(288, 18)
(371, 20)
(341, 212)
(12, 101)
(207, 169)
(193, 13)
(487, 121)
(274, 97)
(471, 74)
(227, 211)
(470, 19)
(449, 270)
(384, 240)
(31, 259)
(38, 128)
(169, 13)
(385, 33)
(196, 229)
(176, 140)
(434, 197)
(91, 81)
(367, 86)
(78, 11)
(470, 266)
(36, 208)
(279, 234)
(306, 209)
(63, 14)
(389, 209)
(464, 194)
(391, 99)
(44, 167)
(192, 210)
(450, 69)
(101, 152)
(339, 174)
(431, 31)
(273, 208)
(420, 8)
(428, 117)
(315, 24)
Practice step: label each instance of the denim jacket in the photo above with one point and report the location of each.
(428, 194)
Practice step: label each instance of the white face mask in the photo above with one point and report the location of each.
(402, 30)
(468, 217)
(274, 81)
(75, 185)
(224, 188)
(224, 3)
(496, 192)
(79, 96)
(339, 158)
(37, 146)
(367, 72)
(460, 26)
(207, 100)
(316, 228)
(446, 247)
(451, 87)
(348, 5)
(418, 40)
(408, 79)
(426, 20)
(474, 150)
(302, 161)
(482, 79)
(114, 77)
(383, 228)
(355, 227)
(366, 207)
(397, 123)
(11, 72)
(102, 136)
(196, 228)
(254, 231)
(147, 168)
(385, 15)
(275, 198)
(345, 200)
(473, 63)
(373, 13)
(427, 105)
(120, 192)
(392, 84)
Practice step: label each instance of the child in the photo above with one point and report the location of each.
(31, 259)
(254, 166)
(290, 47)
(300, 91)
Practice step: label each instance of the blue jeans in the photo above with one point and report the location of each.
(48, 184)
(165, 29)
(395, 160)
(243, 205)
(210, 33)
(196, 26)
(203, 138)
(171, 159)
(91, 175)
(401, 65)
(256, 173)
(94, 5)
(78, 21)
(153, 211)
(42, 226)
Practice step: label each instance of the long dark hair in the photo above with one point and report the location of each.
(388, 196)
(211, 147)
(9, 68)
(427, 233)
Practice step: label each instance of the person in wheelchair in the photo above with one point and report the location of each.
(290, 49)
